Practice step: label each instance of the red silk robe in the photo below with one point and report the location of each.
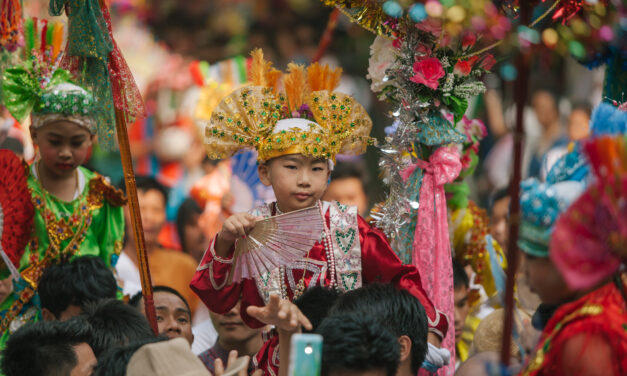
(378, 263)
(587, 334)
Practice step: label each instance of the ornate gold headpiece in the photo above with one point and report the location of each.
(288, 113)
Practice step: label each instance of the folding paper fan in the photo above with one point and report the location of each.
(16, 210)
(276, 241)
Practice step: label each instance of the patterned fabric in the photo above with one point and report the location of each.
(94, 57)
(307, 118)
(541, 204)
(91, 224)
(47, 98)
(598, 321)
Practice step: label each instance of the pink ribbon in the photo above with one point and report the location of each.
(432, 249)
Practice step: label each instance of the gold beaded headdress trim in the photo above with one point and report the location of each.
(305, 117)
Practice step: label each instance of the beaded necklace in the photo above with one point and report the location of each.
(328, 245)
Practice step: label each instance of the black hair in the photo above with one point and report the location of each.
(346, 170)
(44, 348)
(355, 342)
(582, 106)
(460, 278)
(115, 361)
(145, 183)
(184, 217)
(135, 299)
(497, 195)
(398, 310)
(83, 280)
(115, 324)
(315, 303)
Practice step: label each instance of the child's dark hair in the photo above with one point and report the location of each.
(115, 324)
(356, 342)
(460, 278)
(398, 310)
(135, 299)
(582, 106)
(85, 279)
(145, 183)
(45, 348)
(316, 302)
(185, 216)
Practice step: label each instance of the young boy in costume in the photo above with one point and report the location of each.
(77, 212)
(297, 135)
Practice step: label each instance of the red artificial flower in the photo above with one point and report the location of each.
(428, 72)
(468, 40)
(488, 62)
(462, 68)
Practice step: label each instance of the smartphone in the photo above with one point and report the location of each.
(235, 368)
(305, 355)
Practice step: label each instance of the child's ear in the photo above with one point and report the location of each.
(264, 173)
(405, 344)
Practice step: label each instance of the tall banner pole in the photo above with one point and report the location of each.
(520, 95)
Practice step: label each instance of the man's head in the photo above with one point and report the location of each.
(315, 303)
(357, 344)
(298, 181)
(153, 200)
(545, 108)
(579, 121)
(65, 288)
(115, 361)
(347, 186)
(231, 329)
(115, 324)
(546, 280)
(499, 212)
(50, 348)
(174, 317)
(460, 295)
(193, 239)
(399, 311)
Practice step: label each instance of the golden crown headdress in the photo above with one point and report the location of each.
(288, 113)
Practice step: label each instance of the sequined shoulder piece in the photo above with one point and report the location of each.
(99, 186)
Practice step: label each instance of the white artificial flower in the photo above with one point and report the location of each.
(382, 57)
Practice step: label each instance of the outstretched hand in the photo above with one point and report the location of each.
(281, 313)
(219, 366)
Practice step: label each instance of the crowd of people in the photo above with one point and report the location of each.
(73, 294)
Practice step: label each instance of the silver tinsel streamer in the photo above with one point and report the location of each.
(412, 115)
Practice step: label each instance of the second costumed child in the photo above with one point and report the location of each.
(297, 132)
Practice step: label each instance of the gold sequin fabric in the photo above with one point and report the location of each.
(248, 116)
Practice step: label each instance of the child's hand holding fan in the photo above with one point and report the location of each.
(271, 242)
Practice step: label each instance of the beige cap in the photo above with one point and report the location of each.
(168, 358)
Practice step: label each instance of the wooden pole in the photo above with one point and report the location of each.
(327, 35)
(521, 88)
(136, 219)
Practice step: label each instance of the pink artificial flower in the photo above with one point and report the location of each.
(462, 68)
(488, 62)
(430, 25)
(422, 52)
(468, 40)
(396, 43)
(428, 72)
